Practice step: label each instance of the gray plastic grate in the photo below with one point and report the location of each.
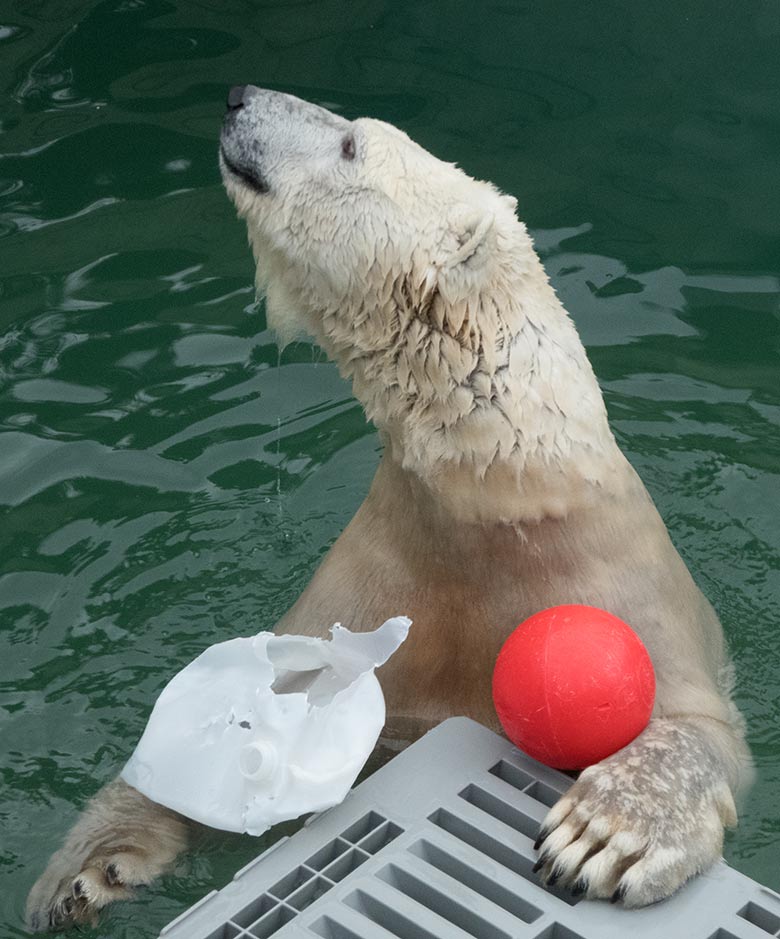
(438, 844)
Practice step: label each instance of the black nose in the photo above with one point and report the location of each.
(235, 98)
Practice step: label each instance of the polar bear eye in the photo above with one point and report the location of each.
(348, 147)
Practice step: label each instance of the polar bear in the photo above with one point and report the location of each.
(501, 492)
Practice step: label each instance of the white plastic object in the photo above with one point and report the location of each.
(261, 730)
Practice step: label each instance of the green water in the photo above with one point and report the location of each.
(168, 481)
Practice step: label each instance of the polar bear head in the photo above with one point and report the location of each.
(419, 281)
(350, 216)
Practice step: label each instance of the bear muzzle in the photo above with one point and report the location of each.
(235, 98)
(266, 133)
(237, 169)
(239, 150)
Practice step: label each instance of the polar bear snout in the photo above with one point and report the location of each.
(270, 139)
(241, 151)
(235, 98)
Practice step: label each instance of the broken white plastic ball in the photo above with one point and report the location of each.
(261, 730)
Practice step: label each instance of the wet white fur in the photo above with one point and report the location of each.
(501, 492)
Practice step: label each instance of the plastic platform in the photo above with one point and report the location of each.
(438, 845)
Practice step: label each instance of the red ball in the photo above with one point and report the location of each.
(572, 685)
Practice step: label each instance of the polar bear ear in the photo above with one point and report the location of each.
(459, 274)
(476, 236)
(463, 272)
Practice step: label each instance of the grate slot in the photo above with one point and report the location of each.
(543, 793)
(389, 918)
(428, 896)
(500, 810)
(760, 917)
(468, 876)
(512, 774)
(723, 934)
(556, 931)
(363, 827)
(329, 928)
(309, 892)
(328, 854)
(254, 911)
(347, 863)
(494, 849)
(290, 882)
(380, 837)
(270, 923)
(228, 931)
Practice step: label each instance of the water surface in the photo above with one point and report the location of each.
(169, 480)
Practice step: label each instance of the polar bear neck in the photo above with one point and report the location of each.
(499, 414)
(491, 403)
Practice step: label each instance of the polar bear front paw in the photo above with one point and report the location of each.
(59, 900)
(639, 824)
(122, 840)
